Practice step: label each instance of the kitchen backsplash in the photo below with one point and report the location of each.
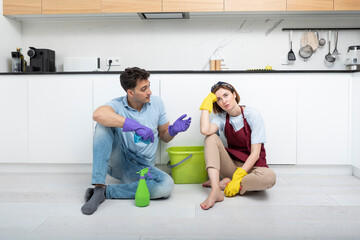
(243, 43)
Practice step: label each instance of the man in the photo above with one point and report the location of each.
(140, 115)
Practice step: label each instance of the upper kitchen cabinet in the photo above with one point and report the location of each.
(21, 7)
(255, 5)
(117, 6)
(346, 5)
(193, 5)
(71, 6)
(310, 5)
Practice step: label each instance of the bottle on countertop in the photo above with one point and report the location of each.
(18, 61)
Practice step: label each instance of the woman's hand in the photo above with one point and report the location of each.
(207, 104)
(233, 187)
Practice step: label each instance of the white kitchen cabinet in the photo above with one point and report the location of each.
(273, 95)
(323, 119)
(60, 119)
(106, 88)
(355, 120)
(13, 121)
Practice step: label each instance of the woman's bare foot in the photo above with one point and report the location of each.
(206, 184)
(216, 195)
(222, 183)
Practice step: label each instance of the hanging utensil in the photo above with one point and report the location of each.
(322, 41)
(291, 54)
(335, 53)
(309, 38)
(306, 50)
(329, 57)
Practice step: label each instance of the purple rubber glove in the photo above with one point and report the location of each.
(179, 125)
(144, 132)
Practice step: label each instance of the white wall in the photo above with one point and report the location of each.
(355, 121)
(251, 42)
(11, 38)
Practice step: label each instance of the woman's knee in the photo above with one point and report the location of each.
(212, 139)
(271, 178)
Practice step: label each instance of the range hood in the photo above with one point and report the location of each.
(163, 15)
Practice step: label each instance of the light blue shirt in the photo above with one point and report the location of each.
(151, 115)
(254, 119)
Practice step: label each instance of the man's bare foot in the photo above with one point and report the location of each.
(216, 195)
(222, 183)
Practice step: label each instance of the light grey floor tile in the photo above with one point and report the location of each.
(269, 213)
(29, 209)
(321, 180)
(47, 206)
(62, 236)
(12, 224)
(347, 200)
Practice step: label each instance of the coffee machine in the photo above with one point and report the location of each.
(41, 60)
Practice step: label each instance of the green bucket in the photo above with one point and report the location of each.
(187, 164)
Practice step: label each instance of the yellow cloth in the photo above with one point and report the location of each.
(233, 187)
(207, 104)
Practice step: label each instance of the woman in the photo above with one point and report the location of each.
(244, 160)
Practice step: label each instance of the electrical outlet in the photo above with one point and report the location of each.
(115, 61)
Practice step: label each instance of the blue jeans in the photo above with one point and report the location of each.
(111, 156)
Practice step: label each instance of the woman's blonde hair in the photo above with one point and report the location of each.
(227, 86)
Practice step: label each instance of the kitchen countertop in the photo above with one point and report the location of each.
(191, 72)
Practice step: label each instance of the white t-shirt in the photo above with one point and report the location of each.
(252, 116)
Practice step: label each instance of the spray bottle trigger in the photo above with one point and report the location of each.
(149, 174)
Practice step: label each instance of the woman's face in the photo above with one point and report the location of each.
(225, 99)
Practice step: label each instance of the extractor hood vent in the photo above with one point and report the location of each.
(163, 15)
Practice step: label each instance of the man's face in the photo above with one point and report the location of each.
(142, 92)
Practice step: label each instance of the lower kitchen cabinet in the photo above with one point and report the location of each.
(13, 121)
(48, 118)
(60, 119)
(355, 120)
(323, 119)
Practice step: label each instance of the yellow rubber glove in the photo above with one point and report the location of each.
(233, 187)
(207, 104)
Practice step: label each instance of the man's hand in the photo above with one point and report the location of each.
(179, 125)
(207, 104)
(144, 132)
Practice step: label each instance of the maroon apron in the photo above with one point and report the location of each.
(239, 143)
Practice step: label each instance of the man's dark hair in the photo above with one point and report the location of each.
(131, 76)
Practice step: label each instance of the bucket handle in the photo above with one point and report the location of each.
(177, 164)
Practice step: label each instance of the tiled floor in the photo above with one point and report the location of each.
(47, 206)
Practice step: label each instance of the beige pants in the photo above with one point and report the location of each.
(216, 156)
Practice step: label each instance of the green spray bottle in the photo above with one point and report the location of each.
(142, 195)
